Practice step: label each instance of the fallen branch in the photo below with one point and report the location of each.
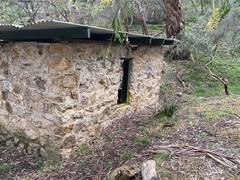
(220, 79)
(224, 163)
(230, 162)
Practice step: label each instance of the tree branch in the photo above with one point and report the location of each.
(218, 78)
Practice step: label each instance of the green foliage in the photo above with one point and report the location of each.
(117, 25)
(122, 20)
(222, 45)
(168, 94)
(206, 86)
(83, 149)
(109, 165)
(142, 141)
(4, 168)
(218, 15)
(166, 116)
(11, 13)
(160, 118)
(203, 2)
(127, 154)
(106, 3)
(63, 8)
(92, 7)
(225, 8)
(45, 167)
(161, 157)
(192, 18)
(198, 40)
(169, 110)
(82, 165)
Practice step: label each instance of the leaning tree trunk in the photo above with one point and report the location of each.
(174, 20)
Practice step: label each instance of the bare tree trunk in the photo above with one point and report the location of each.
(202, 11)
(149, 170)
(142, 18)
(175, 25)
(174, 20)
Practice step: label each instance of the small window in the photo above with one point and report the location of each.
(124, 89)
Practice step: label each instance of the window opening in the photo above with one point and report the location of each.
(123, 92)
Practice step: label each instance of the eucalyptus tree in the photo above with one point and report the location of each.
(31, 9)
(226, 28)
(175, 23)
(11, 13)
(63, 9)
(203, 4)
(124, 12)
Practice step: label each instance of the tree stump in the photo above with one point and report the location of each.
(126, 172)
(149, 170)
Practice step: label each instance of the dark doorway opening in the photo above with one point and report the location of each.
(123, 92)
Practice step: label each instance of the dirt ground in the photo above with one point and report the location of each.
(200, 141)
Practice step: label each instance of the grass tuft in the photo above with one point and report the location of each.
(109, 165)
(45, 167)
(142, 141)
(4, 168)
(127, 154)
(169, 110)
(83, 149)
(161, 157)
(162, 172)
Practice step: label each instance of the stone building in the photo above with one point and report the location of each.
(63, 82)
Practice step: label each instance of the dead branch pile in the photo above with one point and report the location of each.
(230, 162)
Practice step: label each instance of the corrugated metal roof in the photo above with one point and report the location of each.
(51, 24)
(54, 24)
(53, 30)
(9, 27)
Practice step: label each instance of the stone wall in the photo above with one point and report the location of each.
(66, 92)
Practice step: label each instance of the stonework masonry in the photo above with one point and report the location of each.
(56, 95)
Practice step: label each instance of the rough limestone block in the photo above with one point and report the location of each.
(45, 87)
